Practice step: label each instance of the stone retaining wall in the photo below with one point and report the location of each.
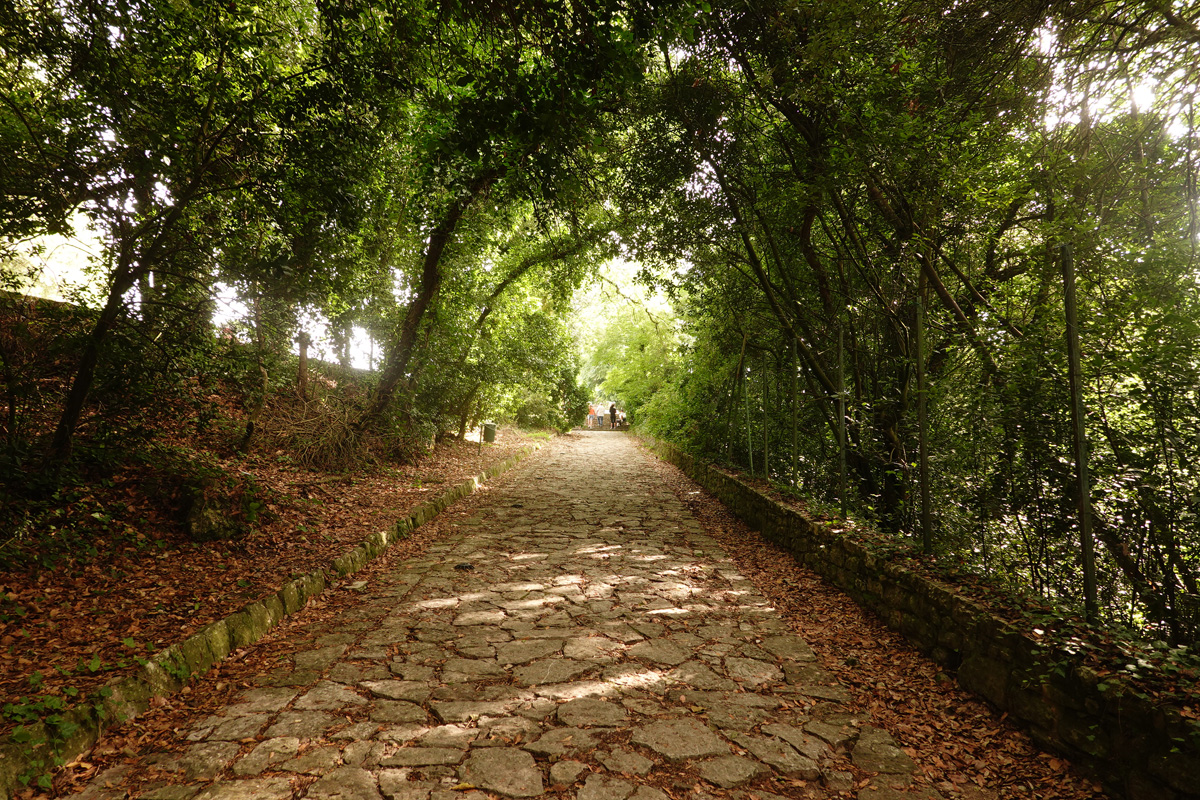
(1136, 749)
(167, 672)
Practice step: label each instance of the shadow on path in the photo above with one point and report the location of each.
(577, 636)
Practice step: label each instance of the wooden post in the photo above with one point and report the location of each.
(766, 427)
(749, 432)
(795, 414)
(303, 339)
(731, 433)
(923, 424)
(842, 421)
(1083, 482)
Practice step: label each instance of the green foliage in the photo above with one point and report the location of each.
(812, 179)
(632, 340)
(642, 358)
(207, 499)
(49, 529)
(44, 724)
(446, 178)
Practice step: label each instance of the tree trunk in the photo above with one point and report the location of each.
(131, 266)
(68, 421)
(302, 371)
(400, 351)
(465, 412)
(339, 331)
(10, 385)
(1078, 419)
(259, 352)
(841, 420)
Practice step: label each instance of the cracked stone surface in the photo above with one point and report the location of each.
(565, 772)
(621, 760)
(259, 789)
(512, 773)
(591, 713)
(327, 695)
(600, 647)
(730, 771)
(877, 752)
(680, 739)
(780, 755)
(604, 787)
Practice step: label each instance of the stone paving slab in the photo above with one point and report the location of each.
(578, 634)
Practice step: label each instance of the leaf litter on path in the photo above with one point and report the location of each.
(959, 742)
(67, 631)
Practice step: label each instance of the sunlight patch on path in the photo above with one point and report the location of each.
(600, 628)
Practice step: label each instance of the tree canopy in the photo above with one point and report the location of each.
(860, 211)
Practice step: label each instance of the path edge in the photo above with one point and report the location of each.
(1137, 749)
(76, 730)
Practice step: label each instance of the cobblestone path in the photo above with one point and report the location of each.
(578, 636)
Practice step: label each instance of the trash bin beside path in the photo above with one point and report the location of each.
(489, 431)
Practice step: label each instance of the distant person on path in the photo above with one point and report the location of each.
(612, 416)
(591, 416)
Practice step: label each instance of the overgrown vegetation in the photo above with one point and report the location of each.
(862, 213)
(845, 201)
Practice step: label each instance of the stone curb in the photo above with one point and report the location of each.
(79, 728)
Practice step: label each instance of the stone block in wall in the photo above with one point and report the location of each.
(275, 610)
(896, 595)
(939, 596)
(291, 598)
(77, 732)
(966, 613)
(894, 618)
(370, 546)
(195, 654)
(1085, 734)
(945, 657)
(951, 639)
(775, 522)
(1061, 690)
(1048, 740)
(785, 532)
(1026, 650)
(995, 637)
(919, 630)
(216, 635)
(1139, 713)
(901, 574)
(312, 584)
(350, 562)
(248, 625)
(986, 677)
(1140, 786)
(798, 539)
(1028, 703)
(920, 603)
(854, 548)
(131, 695)
(1180, 770)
